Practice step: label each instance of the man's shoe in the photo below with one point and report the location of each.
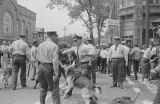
(24, 86)
(115, 85)
(33, 79)
(136, 78)
(121, 87)
(14, 88)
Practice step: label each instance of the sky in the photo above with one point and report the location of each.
(52, 20)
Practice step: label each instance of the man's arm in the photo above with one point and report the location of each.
(55, 63)
(10, 49)
(28, 56)
(125, 54)
(132, 51)
(68, 50)
(109, 54)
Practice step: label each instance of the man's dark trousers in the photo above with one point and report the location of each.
(129, 66)
(104, 65)
(135, 67)
(94, 67)
(86, 70)
(46, 82)
(117, 65)
(19, 61)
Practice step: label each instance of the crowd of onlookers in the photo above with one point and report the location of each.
(142, 65)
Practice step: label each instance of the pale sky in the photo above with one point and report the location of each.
(52, 19)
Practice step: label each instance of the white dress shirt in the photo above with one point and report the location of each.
(119, 52)
(34, 53)
(127, 49)
(20, 47)
(93, 50)
(48, 53)
(4, 48)
(149, 52)
(104, 53)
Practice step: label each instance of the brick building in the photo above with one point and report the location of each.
(15, 19)
(131, 14)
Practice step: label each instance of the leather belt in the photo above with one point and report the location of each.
(46, 63)
(85, 62)
(117, 58)
(17, 55)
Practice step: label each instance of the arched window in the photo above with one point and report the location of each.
(23, 27)
(18, 26)
(7, 24)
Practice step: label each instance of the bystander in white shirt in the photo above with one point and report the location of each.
(104, 53)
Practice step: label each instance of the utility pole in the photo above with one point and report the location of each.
(147, 30)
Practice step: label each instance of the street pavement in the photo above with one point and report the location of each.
(131, 89)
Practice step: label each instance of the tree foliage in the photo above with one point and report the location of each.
(93, 13)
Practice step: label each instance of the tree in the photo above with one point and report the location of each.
(91, 12)
(67, 39)
(101, 12)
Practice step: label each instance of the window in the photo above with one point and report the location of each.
(157, 2)
(23, 27)
(18, 26)
(7, 24)
(29, 28)
(151, 1)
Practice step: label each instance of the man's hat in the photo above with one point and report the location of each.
(34, 41)
(123, 42)
(21, 35)
(76, 37)
(52, 33)
(89, 39)
(117, 38)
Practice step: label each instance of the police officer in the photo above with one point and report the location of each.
(82, 52)
(20, 52)
(118, 58)
(48, 68)
(94, 58)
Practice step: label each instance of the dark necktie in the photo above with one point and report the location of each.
(116, 47)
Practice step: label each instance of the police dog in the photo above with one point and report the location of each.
(4, 77)
(88, 89)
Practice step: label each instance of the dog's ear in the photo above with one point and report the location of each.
(98, 90)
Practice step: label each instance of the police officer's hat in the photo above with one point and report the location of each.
(50, 33)
(117, 38)
(21, 35)
(76, 37)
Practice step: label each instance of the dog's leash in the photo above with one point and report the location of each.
(134, 101)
